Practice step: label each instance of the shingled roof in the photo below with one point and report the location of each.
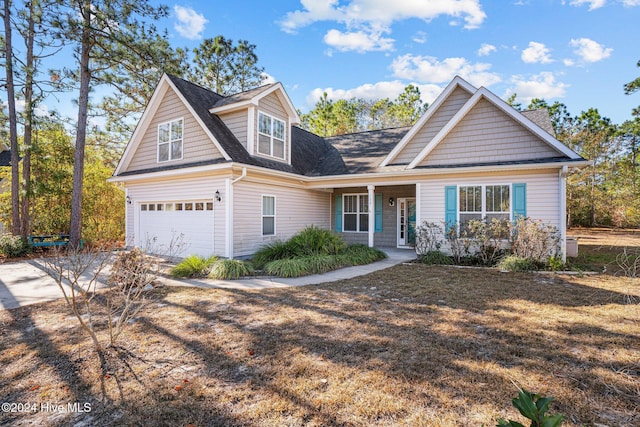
(5, 158)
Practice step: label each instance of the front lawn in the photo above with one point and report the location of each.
(411, 345)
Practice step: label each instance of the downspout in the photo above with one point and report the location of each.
(229, 213)
(563, 211)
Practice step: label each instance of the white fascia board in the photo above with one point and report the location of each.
(454, 84)
(170, 173)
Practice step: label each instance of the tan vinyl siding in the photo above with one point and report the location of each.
(543, 193)
(237, 123)
(197, 146)
(487, 134)
(181, 190)
(447, 110)
(295, 209)
(272, 106)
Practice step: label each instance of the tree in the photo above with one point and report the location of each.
(13, 118)
(408, 107)
(107, 35)
(226, 68)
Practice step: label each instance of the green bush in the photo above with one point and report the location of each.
(227, 269)
(193, 266)
(271, 252)
(516, 263)
(436, 258)
(13, 246)
(288, 267)
(358, 254)
(313, 240)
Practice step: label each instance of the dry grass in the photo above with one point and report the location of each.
(411, 345)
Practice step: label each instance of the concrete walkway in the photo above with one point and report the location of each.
(26, 282)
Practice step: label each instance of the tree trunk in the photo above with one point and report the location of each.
(13, 122)
(81, 135)
(28, 125)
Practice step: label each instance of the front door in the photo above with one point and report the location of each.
(406, 222)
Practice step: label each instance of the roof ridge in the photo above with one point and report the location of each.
(368, 131)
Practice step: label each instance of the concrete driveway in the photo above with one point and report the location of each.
(27, 282)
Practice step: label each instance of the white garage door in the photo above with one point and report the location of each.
(190, 223)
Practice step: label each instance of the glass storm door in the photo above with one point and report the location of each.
(406, 222)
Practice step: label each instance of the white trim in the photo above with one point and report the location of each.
(562, 176)
(272, 138)
(263, 216)
(170, 141)
(454, 84)
(251, 130)
(357, 212)
(483, 200)
(371, 198)
(418, 205)
(228, 218)
(504, 107)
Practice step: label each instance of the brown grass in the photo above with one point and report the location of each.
(412, 345)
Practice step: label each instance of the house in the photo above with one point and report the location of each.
(231, 174)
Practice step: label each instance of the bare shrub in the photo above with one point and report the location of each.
(429, 237)
(629, 262)
(533, 239)
(487, 239)
(459, 243)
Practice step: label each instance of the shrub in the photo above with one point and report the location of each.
(516, 263)
(359, 254)
(271, 252)
(429, 237)
(13, 246)
(230, 269)
(555, 263)
(629, 263)
(487, 239)
(459, 244)
(129, 269)
(313, 240)
(534, 240)
(193, 266)
(288, 267)
(436, 258)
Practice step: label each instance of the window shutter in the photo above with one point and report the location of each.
(378, 228)
(338, 215)
(450, 206)
(519, 200)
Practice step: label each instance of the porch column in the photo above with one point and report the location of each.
(372, 217)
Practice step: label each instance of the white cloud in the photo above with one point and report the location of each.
(631, 3)
(593, 4)
(41, 110)
(486, 49)
(190, 23)
(428, 69)
(380, 90)
(359, 13)
(536, 53)
(589, 50)
(268, 78)
(421, 37)
(543, 85)
(359, 41)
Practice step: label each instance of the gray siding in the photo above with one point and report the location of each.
(388, 237)
(197, 146)
(487, 134)
(295, 209)
(237, 123)
(447, 110)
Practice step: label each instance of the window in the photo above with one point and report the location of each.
(484, 202)
(355, 212)
(170, 141)
(271, 136)
(268, 215)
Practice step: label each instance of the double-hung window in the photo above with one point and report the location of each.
(271, 136)
(355, 212)
(268, 215)
(170, 140)
(488, 202)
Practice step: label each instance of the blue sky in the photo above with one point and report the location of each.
(579, 52)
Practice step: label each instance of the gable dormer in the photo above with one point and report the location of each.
(261, 120)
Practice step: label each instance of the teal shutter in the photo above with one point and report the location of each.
(450, 206)
(378, 210)
(338, 217)
(519, 200)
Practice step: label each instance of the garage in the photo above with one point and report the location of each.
(161, 223)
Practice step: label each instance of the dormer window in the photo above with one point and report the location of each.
(271, 136)
(170, 141)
